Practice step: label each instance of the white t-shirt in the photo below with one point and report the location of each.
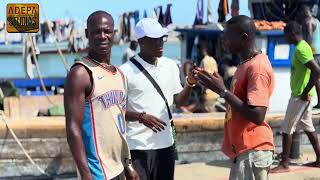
(142, 96)
(129, 53)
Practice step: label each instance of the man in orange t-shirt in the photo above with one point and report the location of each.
(248, 139)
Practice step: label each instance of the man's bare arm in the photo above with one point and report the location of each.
(146, 119)
(255, 114)
(76, 86)
(309, 32)
(315, 72)
(183, 97)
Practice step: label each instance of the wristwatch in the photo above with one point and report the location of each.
(223, 93)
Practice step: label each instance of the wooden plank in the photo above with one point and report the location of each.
(29, 106)
(36, 127)
(12, 107)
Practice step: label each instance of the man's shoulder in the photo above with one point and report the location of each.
(79, 69)
(260, 65)
(126, 67)
(163, 58)
(303, 46)
(167, 61)
(78, 76)
(263, 59)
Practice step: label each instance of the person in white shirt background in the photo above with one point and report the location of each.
(149, 133)
(130, 51)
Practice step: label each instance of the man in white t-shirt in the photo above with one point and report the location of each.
(149, 133)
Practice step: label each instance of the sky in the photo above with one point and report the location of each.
(182, 11)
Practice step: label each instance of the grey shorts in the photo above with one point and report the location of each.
(252, 165)
(298, 116)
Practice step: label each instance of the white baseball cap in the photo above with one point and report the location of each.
(149, 27)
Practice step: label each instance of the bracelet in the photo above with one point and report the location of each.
(189, 84)
(140, 116)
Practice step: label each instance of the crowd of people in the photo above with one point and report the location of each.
(119, 122)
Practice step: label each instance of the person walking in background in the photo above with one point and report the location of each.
(311, 30)
(304, 74)
(95, 124)
(130, 51)
(209, 64)
(248, 139)
(153, 86)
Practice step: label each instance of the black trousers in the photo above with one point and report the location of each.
(120, 177)
(154, 164)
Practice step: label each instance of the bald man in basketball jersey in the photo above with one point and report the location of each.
(95, 104)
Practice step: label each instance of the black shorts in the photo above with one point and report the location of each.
(155, 164)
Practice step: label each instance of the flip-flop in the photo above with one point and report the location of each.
(313, 164)
(279, 169)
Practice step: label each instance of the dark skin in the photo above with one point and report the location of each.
(305, 18)
(292, 38)
(241, 44)
(78, 86)
(150, 50)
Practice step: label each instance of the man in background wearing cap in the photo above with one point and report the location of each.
(149, 133)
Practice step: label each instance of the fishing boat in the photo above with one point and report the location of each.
(270, 42)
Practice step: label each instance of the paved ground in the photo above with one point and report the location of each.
(219, 170)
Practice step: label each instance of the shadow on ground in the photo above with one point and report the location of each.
(220, 163)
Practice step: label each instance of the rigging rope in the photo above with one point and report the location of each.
(21, 146)
(29, 38)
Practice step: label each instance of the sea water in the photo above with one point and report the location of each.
(51, 66)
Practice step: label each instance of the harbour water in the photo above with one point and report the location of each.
(51, 66)
(12, 65)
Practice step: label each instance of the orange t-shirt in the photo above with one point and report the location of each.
(253, 83)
